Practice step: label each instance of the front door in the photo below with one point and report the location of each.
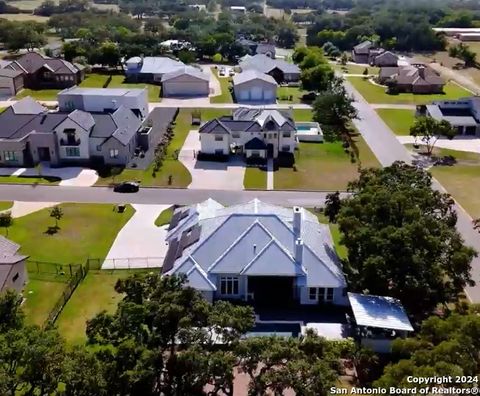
(44, 154)
(270, 150)
(273, 291)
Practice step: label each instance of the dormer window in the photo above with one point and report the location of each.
(270, 126)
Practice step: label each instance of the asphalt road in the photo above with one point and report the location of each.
(41, 193)
(388, 149)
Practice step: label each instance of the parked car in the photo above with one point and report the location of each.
(221, 73)
(127, 187)
(231, 73)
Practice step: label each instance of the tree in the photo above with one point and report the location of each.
(187, 56)
(26, 35)
(317, 78)
(109, 54)
(287, 36)
(343, 59)
(11, 315)
(333, 203)
(57, 213)
(333, 107)
(464, 53)
(448, 346)
(401, 239)
(429, 130)
(6, 220)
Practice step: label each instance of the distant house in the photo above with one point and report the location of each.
(150, 68)
(13, 273)
(185, 82)
(253, 86)
(41, 72)
(30, 134)
(255, 252)
(415, 78)
(254, 133)
(198, 7)
(11, 81)
(279, 69)
(238, 10)
(367, 53)
(253, 47)
(463, 114)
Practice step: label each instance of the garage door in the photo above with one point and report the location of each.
(269, 94)
(5, 92)
(256, 93)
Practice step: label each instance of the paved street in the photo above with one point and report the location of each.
(388, 149)
(41, 193)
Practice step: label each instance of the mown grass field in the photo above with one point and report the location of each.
(398, 120)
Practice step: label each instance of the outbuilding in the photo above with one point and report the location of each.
(252, 86)
(11, 81)
(185, 82)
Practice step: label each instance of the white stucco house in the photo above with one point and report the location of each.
(252, 132)
(254, 87)
(255, 252)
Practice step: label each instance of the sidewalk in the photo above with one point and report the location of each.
(270, 185)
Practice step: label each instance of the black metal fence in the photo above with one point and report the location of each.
(44, 270)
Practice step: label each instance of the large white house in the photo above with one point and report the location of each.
(254, 132)
(255, 252)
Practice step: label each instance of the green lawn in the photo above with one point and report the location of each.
(302, 115)
(41, 94)
(181, 176)
(323, 166)
(93, 295)
(86, 230)
(255, 178)
(285, 93)
(376, 94)
(29, 180)
(398, 120)
(463, 182)
(355, 69)
(461, 156)
(164, 217)
(226, 96)
(40, 298)
(154, 94)
(4, 205)
(94, 80)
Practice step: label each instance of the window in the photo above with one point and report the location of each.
(264, 135)
(218, 152)
(9, 156)
(286, 134)
(255, 154)
(72, 151)
(274, 135)
(99, 148)
(235, 135)
(286, 148)
(113, 153)
(329, 297)
(14, 279)
(312, 293)
(321, 294)
(229, 285)
(218, 138)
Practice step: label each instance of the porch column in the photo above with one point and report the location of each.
(246, 289)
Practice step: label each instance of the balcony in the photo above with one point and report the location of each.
(70, 142)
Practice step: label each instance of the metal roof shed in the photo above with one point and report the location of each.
(379, 311)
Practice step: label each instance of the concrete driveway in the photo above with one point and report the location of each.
(208, 175)
(140, 243)
(460, 143)
(71, 176)
(215, 87)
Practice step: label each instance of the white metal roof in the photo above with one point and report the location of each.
(379, 311)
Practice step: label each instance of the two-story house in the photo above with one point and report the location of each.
(256, 133)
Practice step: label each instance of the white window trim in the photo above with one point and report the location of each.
(230, 281)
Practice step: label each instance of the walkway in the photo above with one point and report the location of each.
(22, 208)
(460, 143)
(138, 240)
(270, 173)
(215, 87)
(389, 149)
(209, 175)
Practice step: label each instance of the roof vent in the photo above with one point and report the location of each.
(254, 249)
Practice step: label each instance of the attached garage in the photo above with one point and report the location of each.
(11, 81)
(254, 87)
(185, 82)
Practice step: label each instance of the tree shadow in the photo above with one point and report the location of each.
(52, 230)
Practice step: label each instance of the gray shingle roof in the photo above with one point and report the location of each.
(82, 118)
(258, 238)
(253, 74)
(187, 70)
(265, 64)
(155, 64)
(28, 105)
(10, 73)
(127, 125)
(8, 252)
(31, 62)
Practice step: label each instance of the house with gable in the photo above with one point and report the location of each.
(255, 133)
(368, 53)
(255, 252)
(279, 69)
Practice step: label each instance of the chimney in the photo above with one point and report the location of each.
(297, 221)
(299, 251)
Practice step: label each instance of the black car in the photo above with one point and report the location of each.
(127, 187)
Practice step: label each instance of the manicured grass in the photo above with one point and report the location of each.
(355, 69)
(460, 156)
(29, 180)
(165, 217)
(171, 166)
(86, 230)
(94, 294)
(323, 166)
(463, 183)
(40, 298)
(25, 17)
(376, 94)
(154, 95)
(255, 178)
(284, 94)
(226, 96)
(94, 80)
(301, 115)
(398, 120)
(4, 205)
(41, 94)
